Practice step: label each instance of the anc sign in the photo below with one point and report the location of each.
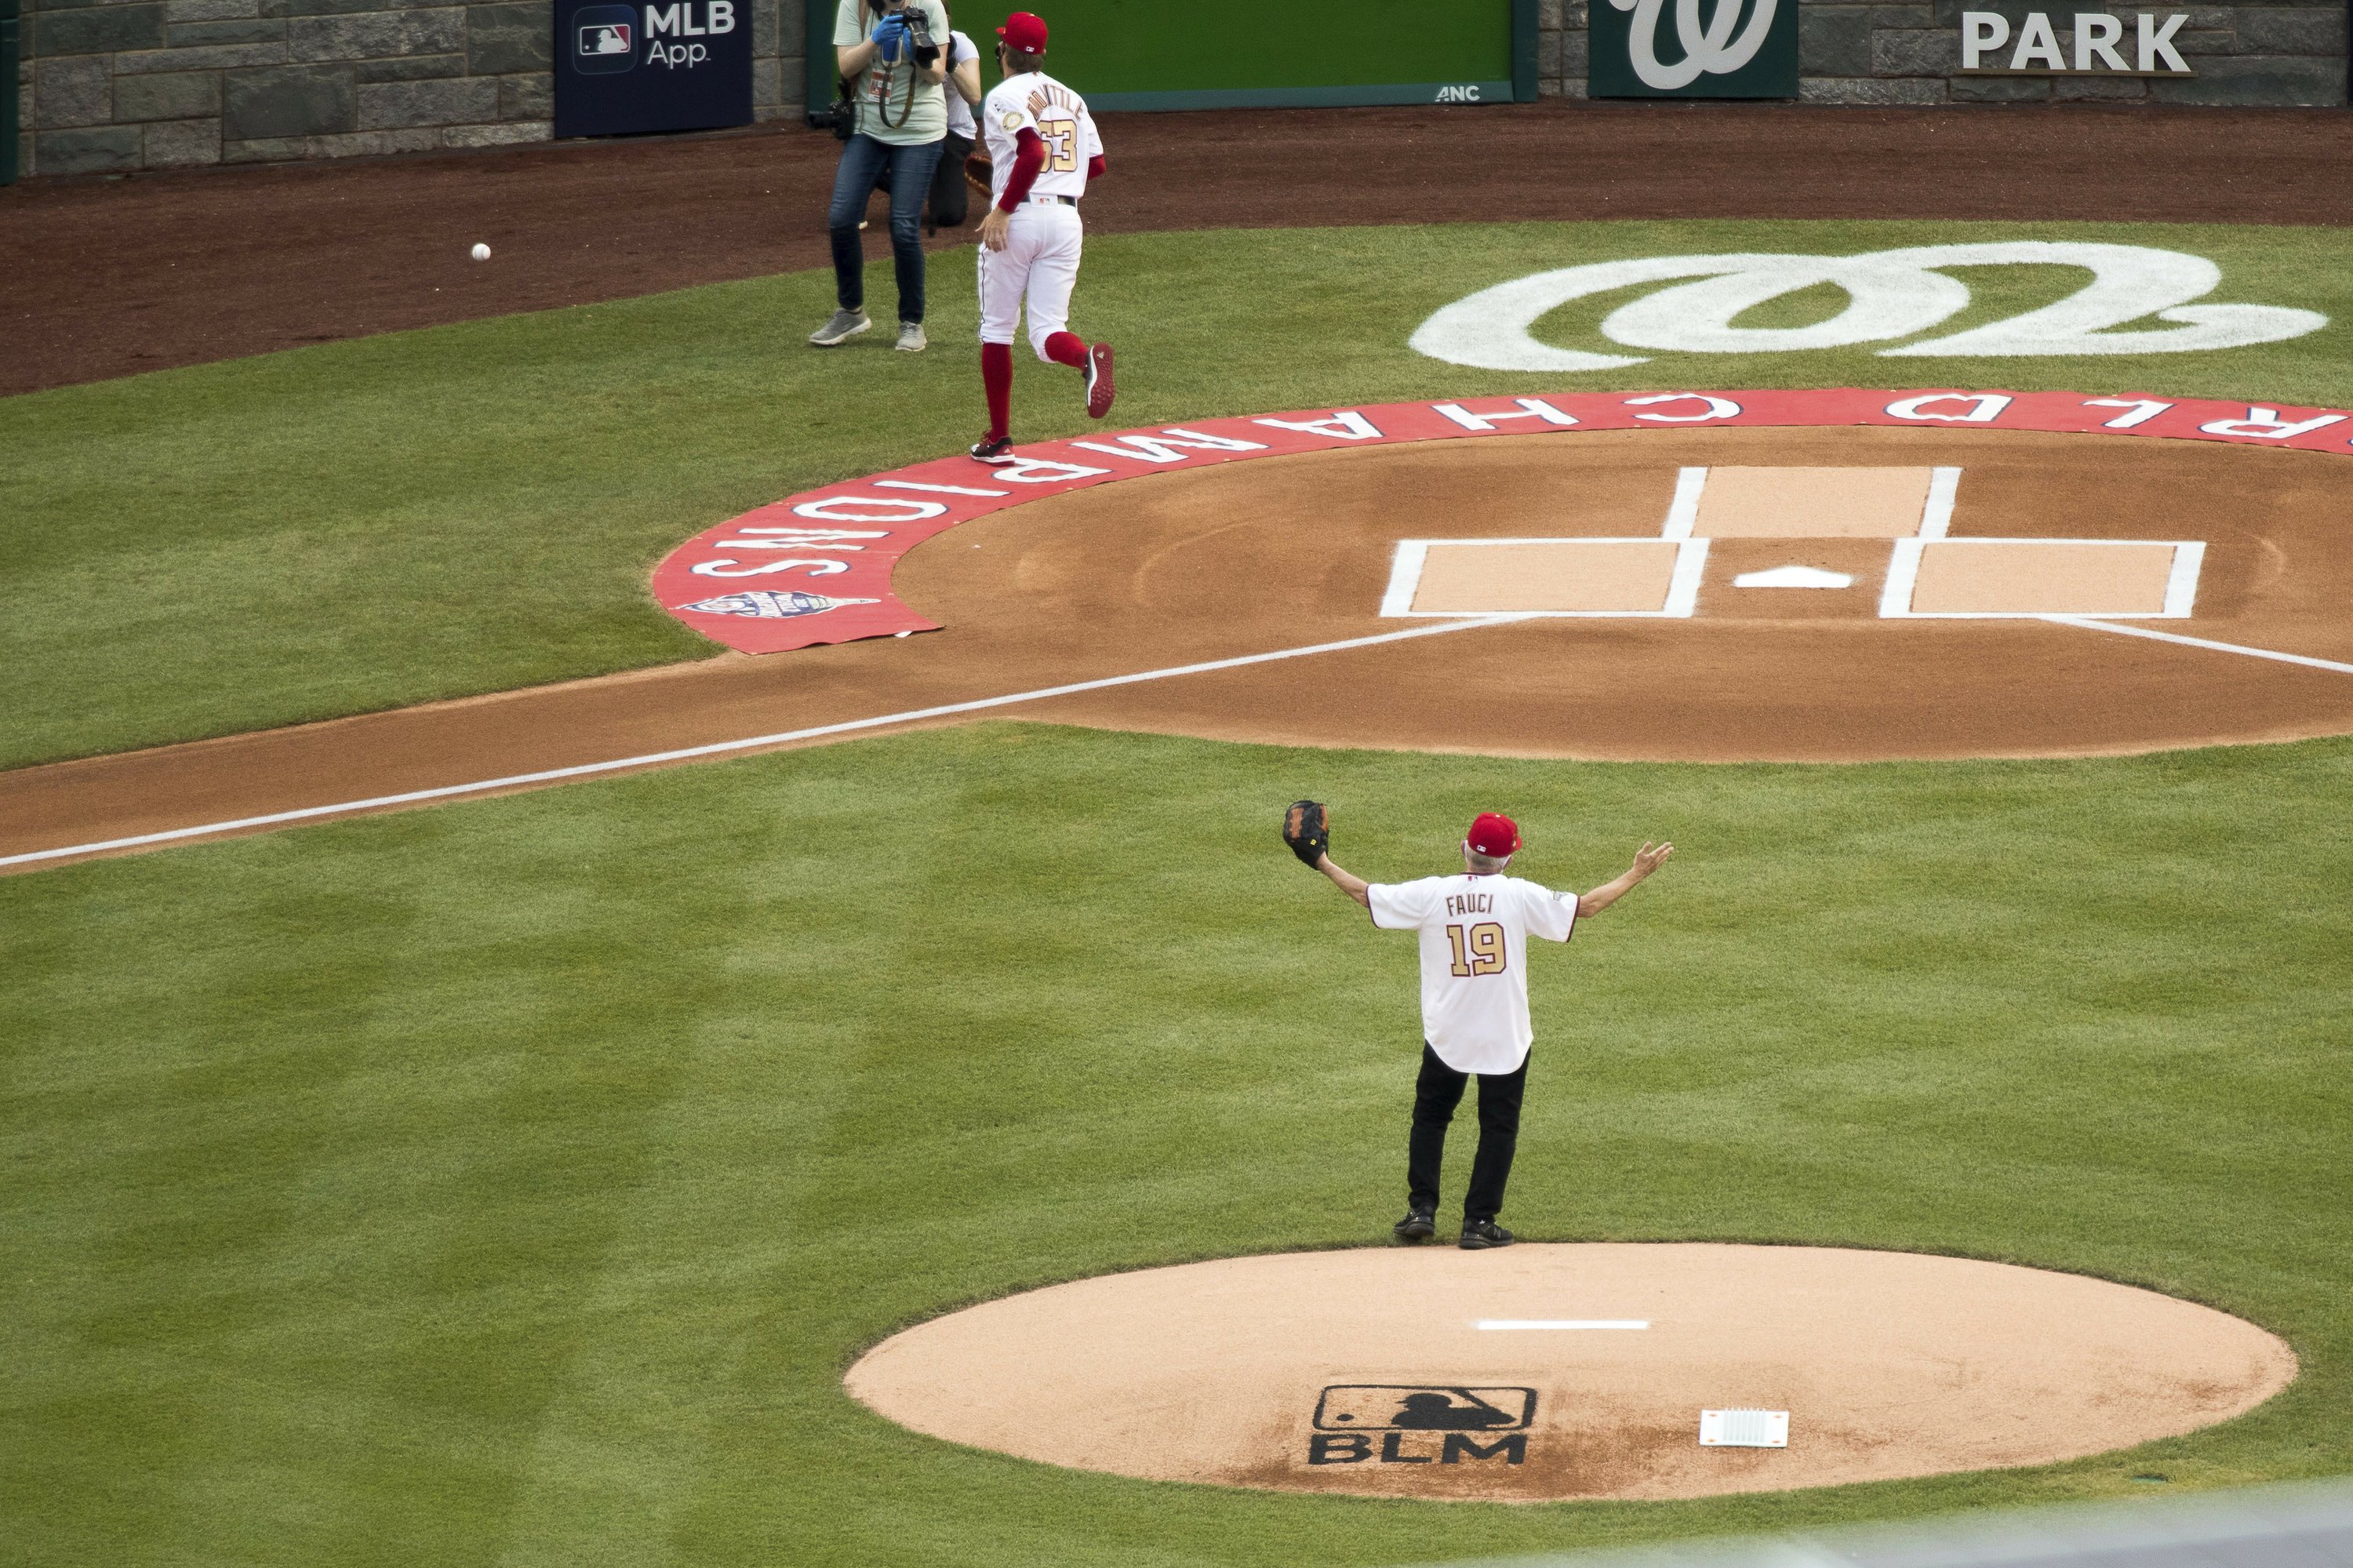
(1694, 48)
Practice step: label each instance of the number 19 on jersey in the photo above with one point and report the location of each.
(1478, 950)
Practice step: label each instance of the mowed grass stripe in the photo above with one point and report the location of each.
(511, 1182)
(359, 526)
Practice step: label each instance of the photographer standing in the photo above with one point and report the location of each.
(891, 57)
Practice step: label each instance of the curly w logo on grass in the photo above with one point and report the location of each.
(1891, 295)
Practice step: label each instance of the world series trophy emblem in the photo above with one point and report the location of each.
(767, 604)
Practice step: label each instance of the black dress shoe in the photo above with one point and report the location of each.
(1481, 1233)
(1419, 1225)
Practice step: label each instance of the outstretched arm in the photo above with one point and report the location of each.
(1646, 860)
(1346, 882)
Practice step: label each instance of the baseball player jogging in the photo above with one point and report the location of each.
(1475, 997)
(1042, 151)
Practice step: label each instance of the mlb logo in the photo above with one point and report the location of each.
(605, 38)
(1424, 1407)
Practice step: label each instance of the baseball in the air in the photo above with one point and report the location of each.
(481, 252)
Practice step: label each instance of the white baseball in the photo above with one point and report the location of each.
(481, 252)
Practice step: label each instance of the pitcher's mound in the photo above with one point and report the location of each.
(1569, 1371)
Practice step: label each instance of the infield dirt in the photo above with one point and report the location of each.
(1287, 552)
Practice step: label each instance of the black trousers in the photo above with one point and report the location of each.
(950, 196)
(1435, 1095)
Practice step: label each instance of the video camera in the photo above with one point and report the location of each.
(840, 116)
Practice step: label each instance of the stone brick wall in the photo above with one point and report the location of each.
(1558, 68)
(148, 84)
(1871, 51)
(139, 84)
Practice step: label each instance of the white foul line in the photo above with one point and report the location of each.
(1564, 1322)
(2128, 630)
(716, 748)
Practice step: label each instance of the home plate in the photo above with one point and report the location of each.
(1794, 577)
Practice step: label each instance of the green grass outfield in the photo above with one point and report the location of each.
(511, 1182)
(475, 507)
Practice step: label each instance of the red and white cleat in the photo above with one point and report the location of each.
(1099, 388)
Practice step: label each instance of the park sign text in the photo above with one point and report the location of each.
(2098, 40)
(1735, 49)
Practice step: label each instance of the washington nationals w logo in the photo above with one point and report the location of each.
(2135, 299)
(1710, 50)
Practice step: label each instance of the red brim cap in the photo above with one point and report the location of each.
(1024, 32)
(1493, 835)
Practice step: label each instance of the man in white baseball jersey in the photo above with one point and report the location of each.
(1474, 1005)
(1043, 150)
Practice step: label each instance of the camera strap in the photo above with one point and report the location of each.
(907, 110)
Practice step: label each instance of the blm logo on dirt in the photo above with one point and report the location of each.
(1411, 1424)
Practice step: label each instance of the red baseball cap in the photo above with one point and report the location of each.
(1024, 32)
(1493, 835)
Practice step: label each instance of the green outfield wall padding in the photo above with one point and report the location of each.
(8, 155)
(1306, 97)
(1526, 30)
(1246, 54)
(820, 54)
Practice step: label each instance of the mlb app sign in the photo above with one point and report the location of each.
(679, 65)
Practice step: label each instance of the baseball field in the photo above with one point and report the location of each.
(516, 1179)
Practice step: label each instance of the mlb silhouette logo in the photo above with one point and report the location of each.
(605, 38)
(1424, 1407)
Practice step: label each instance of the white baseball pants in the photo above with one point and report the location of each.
(1039, 264)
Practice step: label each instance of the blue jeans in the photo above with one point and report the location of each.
(865, 163)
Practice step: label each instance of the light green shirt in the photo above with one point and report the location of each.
(880, 91)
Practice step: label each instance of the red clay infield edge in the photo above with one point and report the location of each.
(816, 567)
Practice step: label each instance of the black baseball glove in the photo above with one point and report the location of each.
(1307, 829)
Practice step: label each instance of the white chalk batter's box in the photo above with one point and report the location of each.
(816, 567)
(1929, 574)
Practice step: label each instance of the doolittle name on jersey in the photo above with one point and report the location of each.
(1055, 94)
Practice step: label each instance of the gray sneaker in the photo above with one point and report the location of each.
(911, 338)
(845, 325)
